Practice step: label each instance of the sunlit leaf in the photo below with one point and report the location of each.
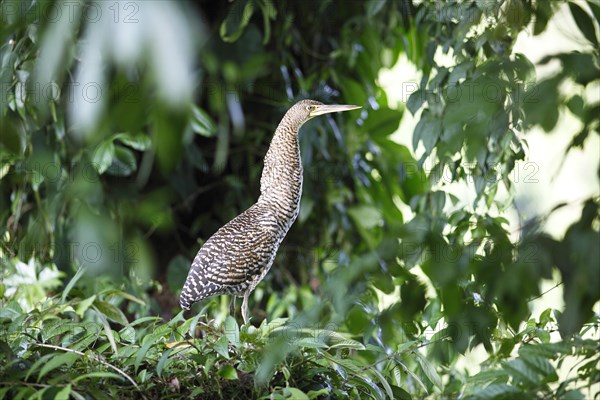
(138, 141)
(103, 156)
(228, 372)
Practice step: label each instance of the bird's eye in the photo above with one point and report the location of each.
(310, 108)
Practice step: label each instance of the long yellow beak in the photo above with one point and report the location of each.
(331, 108)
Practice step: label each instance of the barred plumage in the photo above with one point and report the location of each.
(237, 257)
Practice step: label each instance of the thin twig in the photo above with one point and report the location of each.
(120, 371)
(395, 354)
(552, 288)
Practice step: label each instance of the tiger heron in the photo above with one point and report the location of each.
(238, 256)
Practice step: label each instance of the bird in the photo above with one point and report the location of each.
(239, 255)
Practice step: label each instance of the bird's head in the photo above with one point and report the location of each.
(304, 110)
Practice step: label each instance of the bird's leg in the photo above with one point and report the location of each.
(232, 310)
(245, 307)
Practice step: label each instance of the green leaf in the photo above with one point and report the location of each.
(232, 331)
(498, 391)
(354, 92)
(73, 281)
(64, 393)
(100, 375)
(163, 362)
(239, 15)
(428, 131)
(123, 163)
(36, 180)
(228, 372)
(543, 13)
(489, 376)
(384, 383)
(84, 305)
(382, 122)
(201, 123)
(522, 372)
(415, 101)
(429, 370)
(127, 334)
(39, 362)
(111, 312)
(365, 216)
(543, 366)
(103, 156)
(584, 22)
(294, 393)
(572, 395)
(576, 106)
(138, 141)
(315, 394)
(348, 344)
(595, 9)
(109, 293)
(221, 346)
(141, 354)
(541, 104)
(62, 359)
(374, 7)
(414, 377)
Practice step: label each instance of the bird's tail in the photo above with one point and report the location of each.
(185, 300)
(196, 289)
(190, 293)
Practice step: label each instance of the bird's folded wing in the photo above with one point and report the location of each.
(241, 249)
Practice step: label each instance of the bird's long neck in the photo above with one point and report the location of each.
(281, 181)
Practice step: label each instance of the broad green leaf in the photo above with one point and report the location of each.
(84, 305)
(103, 156)
(141, 354)
(574, 394)
(163, 362)
(489, 376)
(384, 383)
(584, 22)
(414, 377)
(201, 122)
(429, 370)
(348, 344)
(315, 394)
(110, 311)
(228, 372)
(374, 7)
(109, 293)
(239, 15)
(382, 122)
(366, 217)
(127, 334)
(57, 361)
(123, 163)
(38, 363)
(498, 391)
(542, 365)
(138, 141)
(311, 343)
(415, 101)
(64, 393)
(428, 131)
(221, 346)
(354, 92)
(80, 271)
(232, 331)
(295, 393)
(522, 372)
(100, 375)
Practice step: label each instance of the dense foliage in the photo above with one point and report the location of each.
(131, 129)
